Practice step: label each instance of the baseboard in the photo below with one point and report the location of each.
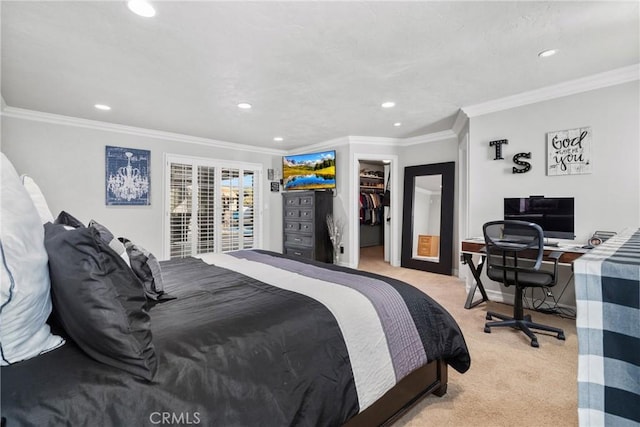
(507, 298)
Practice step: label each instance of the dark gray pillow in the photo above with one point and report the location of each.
(65, 218)
(99, 301)
(110, 240)
(147, 267)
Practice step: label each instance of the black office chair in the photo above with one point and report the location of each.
(511, 249)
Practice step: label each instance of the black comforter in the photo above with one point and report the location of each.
(237, 351)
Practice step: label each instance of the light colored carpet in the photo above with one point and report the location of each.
(509, 383)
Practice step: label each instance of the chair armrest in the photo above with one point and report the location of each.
(555, 255)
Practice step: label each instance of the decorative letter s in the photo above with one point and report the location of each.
(517, 161)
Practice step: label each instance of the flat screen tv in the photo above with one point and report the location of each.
(314, 171)
(554, 214)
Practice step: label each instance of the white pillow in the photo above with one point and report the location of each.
(25, 300)
(37, 198)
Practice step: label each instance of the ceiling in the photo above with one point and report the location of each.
(313, 71)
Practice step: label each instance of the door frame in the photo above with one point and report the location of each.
(354, 226)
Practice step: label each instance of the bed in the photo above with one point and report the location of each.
(246, 338)
(608, 306)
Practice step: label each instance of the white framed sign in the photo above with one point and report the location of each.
(569, 152)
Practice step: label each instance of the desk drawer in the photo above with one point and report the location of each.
(428, 246)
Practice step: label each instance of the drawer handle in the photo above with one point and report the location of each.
(297, 239)
(298, 253)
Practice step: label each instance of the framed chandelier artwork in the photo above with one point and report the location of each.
(127, 176)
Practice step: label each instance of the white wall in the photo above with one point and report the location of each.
(68, 163)
(606, 199)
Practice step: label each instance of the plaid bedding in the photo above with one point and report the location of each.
(608, 322)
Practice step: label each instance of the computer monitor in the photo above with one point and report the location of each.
(554, 214)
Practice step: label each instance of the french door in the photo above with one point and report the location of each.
(211, 206)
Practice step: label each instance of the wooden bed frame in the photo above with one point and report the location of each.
(431, 378)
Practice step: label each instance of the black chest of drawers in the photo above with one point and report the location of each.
(305, 232)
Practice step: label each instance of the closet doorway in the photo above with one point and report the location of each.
(373, 216)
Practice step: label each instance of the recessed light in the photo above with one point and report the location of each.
(244, 106)
(396, 124)
(386, 162)
(102, 107)
(142, 8)
(388, 104)
(278, 139)
(547, 53)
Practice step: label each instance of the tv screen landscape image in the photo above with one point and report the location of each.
(314, 171)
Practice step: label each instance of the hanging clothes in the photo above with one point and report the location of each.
(371, 209)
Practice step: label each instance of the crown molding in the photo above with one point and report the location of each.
(430, 137)
(596, 81)
(329, 144)
(379, 141)
(59, 119)
(348, 141)
(374, 140)
(571, 87)
(460, 122)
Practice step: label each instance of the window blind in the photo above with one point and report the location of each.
(180, 237)
(206, 203)
(212, 208)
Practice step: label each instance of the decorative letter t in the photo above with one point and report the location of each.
(498, 145)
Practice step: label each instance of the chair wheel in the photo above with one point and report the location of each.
(561, 336)
(527, 317)
(487, 329)
(488, 317)
(534, 343)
